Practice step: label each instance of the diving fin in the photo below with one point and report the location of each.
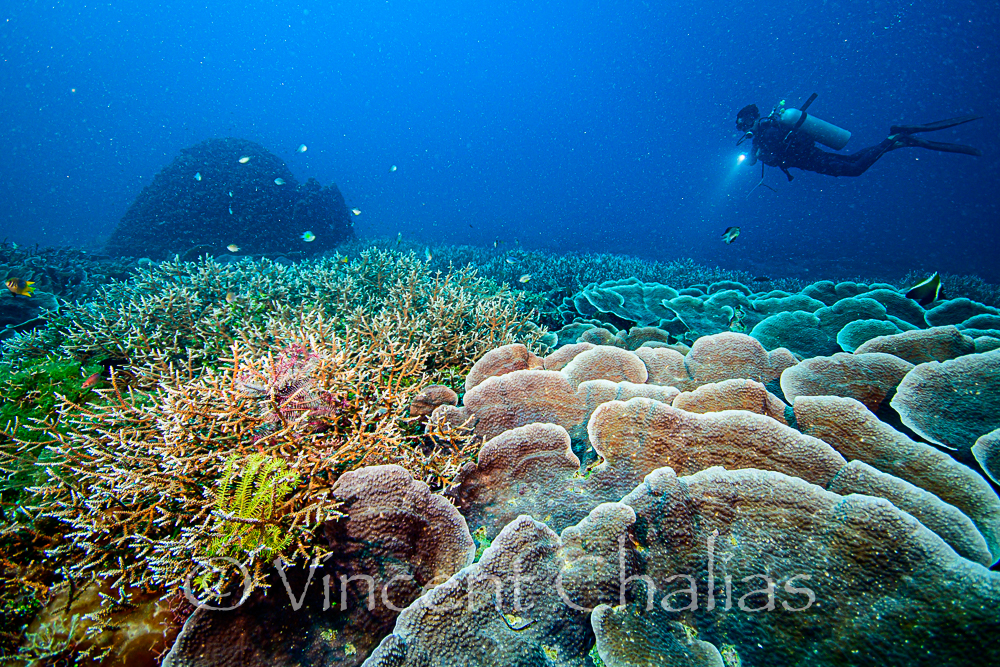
(931, 127)
(906, 140)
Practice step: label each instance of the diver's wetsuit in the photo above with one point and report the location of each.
(800, 151)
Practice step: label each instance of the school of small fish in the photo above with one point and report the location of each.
(20, 287)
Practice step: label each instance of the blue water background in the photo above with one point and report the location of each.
(585, 125)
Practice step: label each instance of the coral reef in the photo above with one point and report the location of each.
(381, 460)
(822, 319)
(858, 434)
(66, 273)
(211, 196)
(217, 427)
(921, 346)
(738, 537)
(735, 538)
(191, 312)
(58, 274)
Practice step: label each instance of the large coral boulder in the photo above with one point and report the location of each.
(208, 199)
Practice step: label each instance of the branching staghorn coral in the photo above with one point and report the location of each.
(184, 310)
(566, 273)
(138, 479)
(132, 470)
(454, 318)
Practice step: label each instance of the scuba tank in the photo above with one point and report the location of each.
(797, 120)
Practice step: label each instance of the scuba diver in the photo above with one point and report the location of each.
(787, 138)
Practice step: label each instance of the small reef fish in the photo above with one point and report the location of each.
(730, 234)
(232, 247)
(511, 260)
(392, 169)
(230, 296)
(356, 211)
(926, 291)
(197, 175)
(525, 278)
(302, 148)
(399, 238)
(92, 380)
(343, 260)
(308, 237)
(279, 181)
(761, 279)
(20, 287)
(230, 210)
(244, 159)
(427, 254)
(230, 193)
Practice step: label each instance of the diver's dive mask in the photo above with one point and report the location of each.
(746, 119)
